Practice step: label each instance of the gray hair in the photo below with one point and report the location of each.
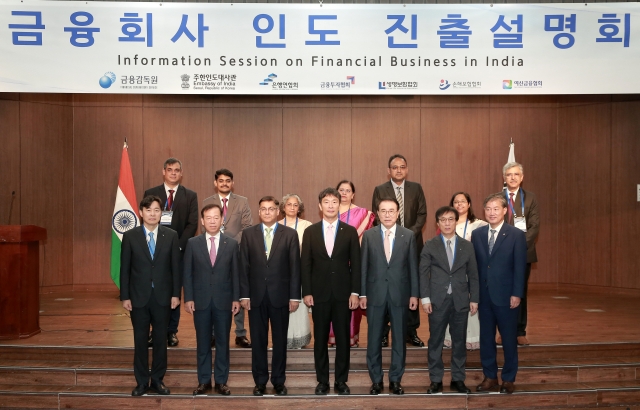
(498, 196)
(510, 165)
(289, 196)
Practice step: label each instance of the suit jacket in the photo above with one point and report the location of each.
(415, 207)
(336, 276)
(533, 221)
(398, 277)
(202, 282)
(279, 275)
(238, 214)
(185, 211)
(435, 274)
(501, 274)
(138, 270)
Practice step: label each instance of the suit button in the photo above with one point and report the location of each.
(386, 280)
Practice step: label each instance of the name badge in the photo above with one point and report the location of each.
(166, 217)
(520, 222)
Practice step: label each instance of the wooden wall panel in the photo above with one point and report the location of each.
(248, 141)
(10, 158)
(531, 122)
(99, 133)
(46, 184)
(316, 151)
(584, 189)
(625, 208)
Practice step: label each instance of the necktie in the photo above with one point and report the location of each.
(401, 208)
(152, 245)
(170, 199)
(492, 240)
(268, 240)
(328, 239)
(511, 207)
(224, 207)
(450, 257)
(387, 244)
(212, 253)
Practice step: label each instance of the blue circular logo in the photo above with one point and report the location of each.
(124, 220)
(107, 79)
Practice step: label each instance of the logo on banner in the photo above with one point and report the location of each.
(352, 78)
(467, 84)
(279, 85)
(507, 84)
(338, 85)
(214, 81)
(397, 85)
(511, 84)
(444, 84)
(269, 79)
(185, 81)
(107, 79)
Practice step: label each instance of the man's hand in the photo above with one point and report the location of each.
(293, 305)
(246, 303)
(413, 303)
(427, 308)
(175, 302)
(189, 307)
(235, 307)
(126, 304)
(515, 302)
(473, 308)
(363, 302)
(308, 300)
(354, 302)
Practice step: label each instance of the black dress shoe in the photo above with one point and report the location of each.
(341, 388)
(203, 388)
(222, 388)
(150, 340)
(434, 388)
(385, 341)
(243, 342)
(140, 390)
(322, 388)
(414, 340)
(281, 389)
(459, 386)
(213, 342)
(160, 388)
(259, 389)
(376, 388)
(172, 340)
(396, 388)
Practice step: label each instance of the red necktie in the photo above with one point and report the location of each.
(224, 207)
(170, 199)
(212, 253)
(511, 207)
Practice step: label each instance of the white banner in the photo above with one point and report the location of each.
(182, 48)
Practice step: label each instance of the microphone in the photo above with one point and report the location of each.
(13, 197)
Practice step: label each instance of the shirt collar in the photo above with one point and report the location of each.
(147, 232)
(395, 186)
(167, 188)
(392, 229)
(497, 228)
(217, 236)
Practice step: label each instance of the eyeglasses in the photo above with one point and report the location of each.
(397, 167)
(387, 212)
(445, 220)
(267, 210)
(459, 202)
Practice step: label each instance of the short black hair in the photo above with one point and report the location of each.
(390, 199)
(394, 156)
(344, 181)
(223, 171)
(269, 198)
(444, 210)
(210, 206)
(328, 192)
(148, 200)
(171, 161)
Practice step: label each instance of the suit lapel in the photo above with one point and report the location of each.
(233, 203)
(320, 237)
(457, 253)
(484, 241)
(442, 253)
(501, 236)
(162, 194)
(276, 239)
(179, 199)
(221, 248)
(202, 245)
(390, 190)
(143, 240)
(395, 248)
(160, 240)
(379, 242)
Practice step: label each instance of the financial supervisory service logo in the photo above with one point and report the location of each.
(124, 220)
(107, 79)
(444, 84)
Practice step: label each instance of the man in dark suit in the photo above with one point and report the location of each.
(449, 290)
(150, 284)
(180, 213)
(389, 284)
(211, 295)
(412, 215)
(501, 254)
(269, 290)
(236, 216)
(331, 285)
(524, 216)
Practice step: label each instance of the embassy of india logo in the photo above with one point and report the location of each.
(124, 220)
(185, 81)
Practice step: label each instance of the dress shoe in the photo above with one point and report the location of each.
(160, 388)
(499, 340)
(487, 385)
(259, 389)
(140, 390)
(385, 341)
(213, 342)
(243, 342)
(172, 340)
(150, 340)
(376, 388)
(507, 387)
(522, 341)
(435, 387)
(281, 389)
(341, 388)
(459, 387)
(396, 388)
(203, 388)
(222, 388)
(414, 340)
(322, 388)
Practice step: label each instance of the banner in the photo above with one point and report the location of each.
(196, 48)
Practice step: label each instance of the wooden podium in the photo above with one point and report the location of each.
(19, 274)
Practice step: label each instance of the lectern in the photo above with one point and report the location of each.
(19, 271)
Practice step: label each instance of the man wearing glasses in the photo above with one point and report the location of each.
(412, 214)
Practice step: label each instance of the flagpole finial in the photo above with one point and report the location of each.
(126, 145)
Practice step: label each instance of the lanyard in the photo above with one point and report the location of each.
(506, 193)
(464, 235)
(285, 222)
(336, 233)
(348, 214)
(275, 226)
(453, 245)
(166, 204)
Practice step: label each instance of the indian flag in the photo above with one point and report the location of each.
(124, 213)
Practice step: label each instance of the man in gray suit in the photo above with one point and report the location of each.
(449, 289)
(389, 285)
(236, 215)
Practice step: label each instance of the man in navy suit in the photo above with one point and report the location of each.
(211, 295)
(501, 253)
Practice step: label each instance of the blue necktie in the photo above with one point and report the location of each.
(491, 241)
(152, 244)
